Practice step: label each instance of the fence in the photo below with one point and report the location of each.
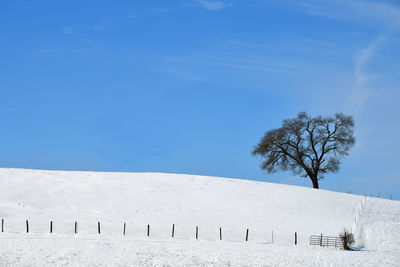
(123, 228)
(326, 241)
(173, 231)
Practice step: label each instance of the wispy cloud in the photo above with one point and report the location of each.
(160, 10)
(102, 25)
(233, 63)
(185, 74)
(211, 5)
(79, 50)
(384, 14)
(360, 91)
(207, 5)
(132, 16)
(46, 51)
(362, 11)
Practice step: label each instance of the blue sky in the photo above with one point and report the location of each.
(190, 86)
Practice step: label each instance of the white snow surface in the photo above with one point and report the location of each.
(271, 212)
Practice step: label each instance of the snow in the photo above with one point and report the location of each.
(187, 201)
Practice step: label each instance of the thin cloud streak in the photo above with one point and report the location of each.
(46, 51)
(360, 11)
(360, 91)
(234, 64)
(161, 10)
(86, 27)
(185, 74)
(212, 5)
(380, 13)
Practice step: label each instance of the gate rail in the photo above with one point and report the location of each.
(326, 241)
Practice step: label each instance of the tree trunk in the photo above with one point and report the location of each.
(314, 181)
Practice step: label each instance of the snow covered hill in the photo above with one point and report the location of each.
(271, 212)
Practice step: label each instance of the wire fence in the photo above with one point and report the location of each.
(174, 231)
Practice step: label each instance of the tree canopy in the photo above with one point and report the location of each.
(308, 146)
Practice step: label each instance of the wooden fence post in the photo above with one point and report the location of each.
(320, 241)
(124, 229)
(272, 236)
(2, 225)
(148, 230)
(295, 238)
(197, 232)
(98, 227)
(173, 230)
(51, 227)
(76, 227)
(220, 233)
(247, 235)
(27, 226)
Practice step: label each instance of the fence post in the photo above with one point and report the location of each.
(197, 232)
(51, 227)
(124, 229)
(320, 241)
(272, 236)
(295, 238)
(76, 227)
(148, 230)
(98, 227)
(173, 230)
(247, 235)
(27, 226)
(2, 225)
(220, 233)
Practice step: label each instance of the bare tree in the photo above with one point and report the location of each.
(308, 146)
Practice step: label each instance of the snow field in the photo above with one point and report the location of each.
(187, 201)
(100, 251)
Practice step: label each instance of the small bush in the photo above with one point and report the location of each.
(347, 238)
